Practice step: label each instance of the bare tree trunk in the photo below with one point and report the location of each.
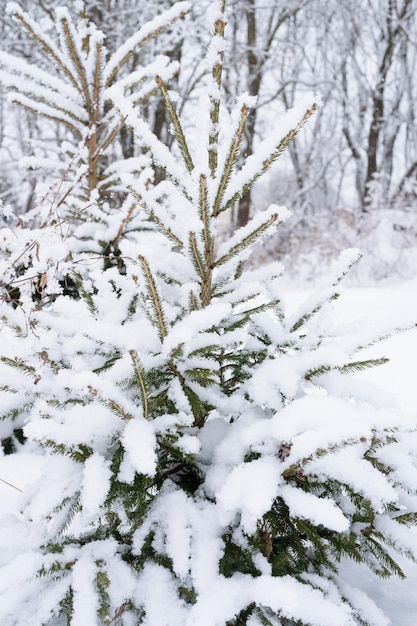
(394, 33)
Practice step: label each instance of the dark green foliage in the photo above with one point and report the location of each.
(236, 559)
(11, 444)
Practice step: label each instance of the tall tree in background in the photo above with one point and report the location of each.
(256, 32)
(379, 63)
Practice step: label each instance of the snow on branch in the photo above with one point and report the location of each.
(269, 150)
(35, 30)
(161, 153)
(149, 30)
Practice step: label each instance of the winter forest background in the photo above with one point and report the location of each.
(194, 430)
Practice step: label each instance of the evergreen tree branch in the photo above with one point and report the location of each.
(246, 241)
(347, 368)
(231, 160)
(197, 258)
(140, 378)
(305, 318)
(103, 147)
(73, 52)
(85, 295)
(114, 406)
(154, 218)
(145, 95)
(165, 230)
(179, 133)
(31, 105)
(155, 299)
(334, 295)
(219, 28)
(20, 365)
(193, 303)
(33, 29)
(204, 213)
(139, 39)
(205, 271)
(270, 160)
(160, 153)
(360, 366)
(34, 92)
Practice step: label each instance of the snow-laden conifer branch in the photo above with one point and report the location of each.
(114, 406)
(48, 45)
(359, 366)
(248, 234)
(164, 229)
(38, 86)
(35, 76)
(179, 134)
(363, 338)
(153, 210)
(161, 66)
(315, 303)
(231, 158)
(247, 241)
(144, 34)
(110, 138)
(84, 293)
(346, 368)
(69, 41)
(193, 302)
(140, 376)
(155, 300)
(43, 109)
(204, 213)
(267, 153)
(20, 365)
(161, 154)
(215, 62)
(198, 259)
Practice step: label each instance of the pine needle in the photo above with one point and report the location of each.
(10, 485)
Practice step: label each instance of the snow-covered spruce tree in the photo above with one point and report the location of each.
(207, 459)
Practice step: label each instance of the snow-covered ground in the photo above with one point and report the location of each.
(397, 598)
(390, 305)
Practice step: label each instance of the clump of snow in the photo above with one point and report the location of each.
(95, 485)
(249, 490)
(139, 442)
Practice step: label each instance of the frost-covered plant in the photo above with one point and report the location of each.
(207, 459)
